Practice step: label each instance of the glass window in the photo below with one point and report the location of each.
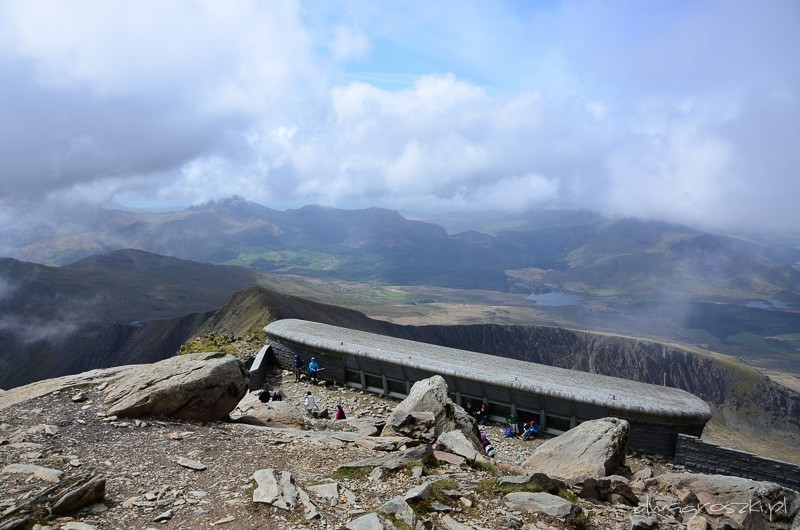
(558, 423)
(397, 387)
(498, 411)
(374, 381)
(353, 378)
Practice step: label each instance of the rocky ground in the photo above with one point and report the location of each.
(168, 473)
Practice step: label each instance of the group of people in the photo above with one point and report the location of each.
(481, 414)
(313, 369)
(265, 395)
(529, 430)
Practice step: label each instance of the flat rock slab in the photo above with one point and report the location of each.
(395, 460)
(371, 521)
(43, 473)
(541, 502)
(190, 464)
(201, 387)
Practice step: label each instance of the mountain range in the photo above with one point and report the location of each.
(733, 293)
(131, 306)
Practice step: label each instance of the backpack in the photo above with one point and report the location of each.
(507, 433)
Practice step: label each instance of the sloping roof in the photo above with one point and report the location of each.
(605, 391)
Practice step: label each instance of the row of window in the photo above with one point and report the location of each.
(553, 414)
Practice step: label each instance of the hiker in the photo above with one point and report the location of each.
(278, 395)
(531, 430)
(298, 367)
(339, 414)
(483, 414)
(468, 408)
(313, 369)
(310, 404)
(513, 426)
(263, 397)
(487, 445)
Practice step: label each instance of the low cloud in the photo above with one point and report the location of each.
(32, 330)
(6, 289)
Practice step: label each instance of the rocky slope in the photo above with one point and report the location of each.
(171, 473)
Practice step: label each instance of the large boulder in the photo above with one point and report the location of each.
(411, 417)
(751, 504)
(202, 387)
(592, 449)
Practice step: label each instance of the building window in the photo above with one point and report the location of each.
(353, 378)
(397, 388)
(499, 412)
(374, 382)
(558, 423)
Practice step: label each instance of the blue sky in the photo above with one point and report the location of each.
(684, 111)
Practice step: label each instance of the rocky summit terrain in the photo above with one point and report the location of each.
(124, 448)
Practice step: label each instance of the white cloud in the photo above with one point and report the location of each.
(349, 43)
(683, 112)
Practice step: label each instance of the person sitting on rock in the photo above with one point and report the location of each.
(513, 425)
(487, 445)
(468, 408)
(339, 414)
(531, 430)
(263, 397)
(277, 395)
(483, 414)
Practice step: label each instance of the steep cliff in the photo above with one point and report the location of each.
(718, 379)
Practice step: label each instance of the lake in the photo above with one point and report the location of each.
(556, 299)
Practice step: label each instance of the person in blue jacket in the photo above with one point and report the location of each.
(531, 430)
(313, 370)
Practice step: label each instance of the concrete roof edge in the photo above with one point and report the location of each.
(691, 407)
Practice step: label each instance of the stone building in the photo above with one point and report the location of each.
(557, 398)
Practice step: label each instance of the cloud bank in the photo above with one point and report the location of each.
(680, 111)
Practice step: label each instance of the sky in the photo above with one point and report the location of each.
(685, 111)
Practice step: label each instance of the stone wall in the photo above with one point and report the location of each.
(656, 439)
(704, 457)
(331, 364)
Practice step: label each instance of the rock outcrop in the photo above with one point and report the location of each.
(592, 449)
(429, 396)
(202, 387)
(749, 503)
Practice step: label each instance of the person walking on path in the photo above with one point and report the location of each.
(310, 404)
